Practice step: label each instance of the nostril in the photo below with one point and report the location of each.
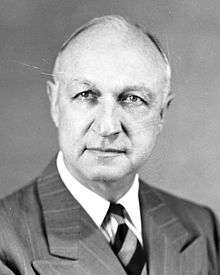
(107, 128)
(107, 122)
(109, 133)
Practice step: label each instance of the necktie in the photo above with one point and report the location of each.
(124, 242)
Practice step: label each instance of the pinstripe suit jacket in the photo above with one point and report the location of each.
(44, 230)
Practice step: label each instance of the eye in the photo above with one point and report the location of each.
(132, 99)
(88, 95)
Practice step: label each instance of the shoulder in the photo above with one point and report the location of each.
(196, 218)
(187, 211)
(17, 206)
(25, 201)
(20, 218)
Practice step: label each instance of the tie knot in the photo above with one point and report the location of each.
(118, 212)
(116, 209)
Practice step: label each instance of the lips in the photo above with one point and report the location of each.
(106, 150)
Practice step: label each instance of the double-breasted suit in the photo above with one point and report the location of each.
(44, 230)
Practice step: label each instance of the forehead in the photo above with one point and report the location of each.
(107, 52)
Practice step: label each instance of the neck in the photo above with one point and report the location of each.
(108, 189)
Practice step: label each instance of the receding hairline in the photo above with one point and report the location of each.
(121, 23)
(103, 20)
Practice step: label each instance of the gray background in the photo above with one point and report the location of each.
(186, 160)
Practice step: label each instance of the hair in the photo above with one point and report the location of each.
(122, 23)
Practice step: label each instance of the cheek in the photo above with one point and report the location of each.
(143, 135)
(70, 120)
(72, 126)
(145, 139)
(145, 126)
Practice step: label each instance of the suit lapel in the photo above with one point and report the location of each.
(170, 247)
(77, 246)
(72, 235)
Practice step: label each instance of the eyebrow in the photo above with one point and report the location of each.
(82, 81)
(128, 88)
(138, 88)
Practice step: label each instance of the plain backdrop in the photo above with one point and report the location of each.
(186, 160)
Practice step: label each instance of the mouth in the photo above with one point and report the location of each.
(100, 152)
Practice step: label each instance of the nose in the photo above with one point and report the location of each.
(107, 122)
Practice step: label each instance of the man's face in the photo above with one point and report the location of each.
(108, 109)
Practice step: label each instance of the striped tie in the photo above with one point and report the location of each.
(124, 243)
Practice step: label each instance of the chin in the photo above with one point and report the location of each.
(109, 174)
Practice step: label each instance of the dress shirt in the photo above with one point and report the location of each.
(96, 206)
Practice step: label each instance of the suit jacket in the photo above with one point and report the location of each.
(44, 230)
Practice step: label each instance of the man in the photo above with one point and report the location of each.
(89, 213)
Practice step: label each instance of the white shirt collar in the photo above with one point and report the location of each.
(95, 205)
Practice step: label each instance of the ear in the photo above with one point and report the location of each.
(161, 120)
(53, 94)
(169, 99)
(166, 105)
(160, 124)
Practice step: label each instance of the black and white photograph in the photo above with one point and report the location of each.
(109, 137)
